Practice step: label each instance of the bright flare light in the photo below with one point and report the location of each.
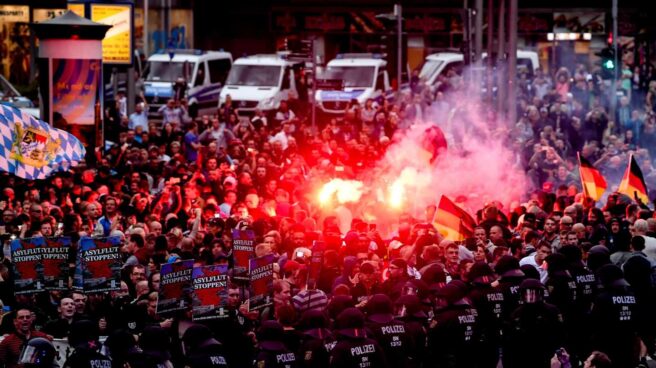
(344, 190)
(396, 193)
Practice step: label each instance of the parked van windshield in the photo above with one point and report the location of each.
(164, 71)
(352, 76)
(430, 67)
(254, 75)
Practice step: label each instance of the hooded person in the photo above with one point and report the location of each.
(121, 347)
(317, 340)
(510, 277)
(615, 318)
(455, 329)
(84, 338)
(390, 332)
(534, 330)
(488, 301)
(349, 263)
(353, 348)
(597, 257)
(202, 349)
(272, 352)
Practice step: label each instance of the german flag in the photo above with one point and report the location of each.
(453, 222)
(633, 183)
(592, 181)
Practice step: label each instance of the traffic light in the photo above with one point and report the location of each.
(607, 63)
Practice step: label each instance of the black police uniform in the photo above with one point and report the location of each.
(390, 333)
(416, 325)
(317, 340)
(87, 358)
(488, 301)
(272, 352)
(455, 331)
(203, 349)
(511, 277)
(615, 319)
(353, 349)
(533, 332)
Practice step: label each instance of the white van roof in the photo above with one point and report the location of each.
(446, 56)
(264, 59)
(189, 55)
(357, 62)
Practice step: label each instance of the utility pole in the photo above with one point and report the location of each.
(145, 29)
(490, 45)
(616, 61)
(512, 63)
(501, 63)
(478, 41)
(399, 46)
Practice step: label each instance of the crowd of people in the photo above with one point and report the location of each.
(560, 281)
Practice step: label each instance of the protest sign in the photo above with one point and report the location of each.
(243, 249)
(261, 280)
(210, 292)
(175, 286)
(100, 264)
(55, 263)
(28, 268)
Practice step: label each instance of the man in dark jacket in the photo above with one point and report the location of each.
(84, 338)
(488, 301)
(389, 332)
(272, 352)
(202, 349)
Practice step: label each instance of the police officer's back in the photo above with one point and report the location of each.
(354, 349)
(317, 340)
(455, 331)
(615, 318)
(534, 330)
(390, 333)
(83, 337)
(202, 349)
(510, 277)
(272, 351)
(488, 301)
(410, 311)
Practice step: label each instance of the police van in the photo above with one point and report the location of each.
(443, 62)
(262, 81)
(362, 76)
(205, 73)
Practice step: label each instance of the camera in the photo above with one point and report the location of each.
(300, 254)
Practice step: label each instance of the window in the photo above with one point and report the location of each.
(219, 70)
(254, 75)
(285, 79)
(380, 81)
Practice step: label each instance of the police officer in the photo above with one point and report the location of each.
(38, 353)
(615, 319)
(83, 337)
(488, 301)
(272, 351)
(353, 348)
(510, 277)
(455, 331)
(534, 330)
(586, 291)
(410, 311)
(202, 349)
(317, 340)
(389, 332)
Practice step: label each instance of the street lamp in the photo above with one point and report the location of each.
(397, 15)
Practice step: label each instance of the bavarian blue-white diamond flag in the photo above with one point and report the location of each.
(32, 149)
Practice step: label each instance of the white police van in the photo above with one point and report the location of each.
(261, 82)
(443, 62)
(362, 76)
(204, 71)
